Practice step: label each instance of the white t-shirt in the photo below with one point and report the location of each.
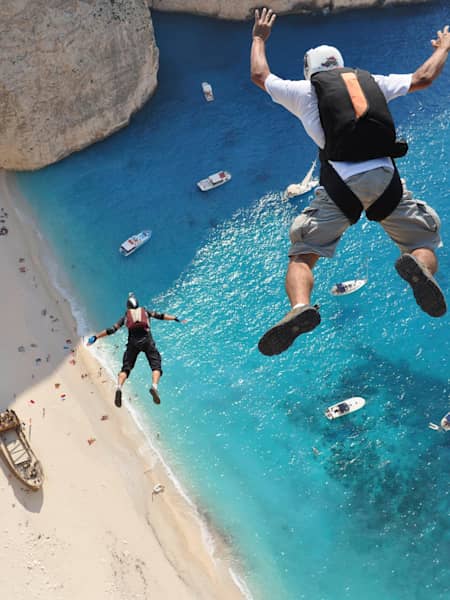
(299, 98)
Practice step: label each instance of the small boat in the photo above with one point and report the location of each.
(306, 185)
(134, 242)
(344, 408)
(214, 180)
(444, 424)
(17, 453)
(207, 91)
(347, 287)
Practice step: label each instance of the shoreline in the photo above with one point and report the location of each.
(101, 469)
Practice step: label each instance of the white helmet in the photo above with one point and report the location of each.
(322, 58)
(132, 301)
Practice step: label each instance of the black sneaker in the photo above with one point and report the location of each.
(279, 337)
(118, 398)
(155, 395)
(426, 291)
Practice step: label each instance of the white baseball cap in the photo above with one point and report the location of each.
(322, 58)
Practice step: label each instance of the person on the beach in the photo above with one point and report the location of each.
(137, 320)
(345, 112)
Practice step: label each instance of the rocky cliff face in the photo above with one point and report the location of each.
(72, 72)
(244, 9)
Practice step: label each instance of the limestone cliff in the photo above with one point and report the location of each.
(244, 9)
(71, 72)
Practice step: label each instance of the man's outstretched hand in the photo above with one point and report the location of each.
(442, 40)
(263, 23)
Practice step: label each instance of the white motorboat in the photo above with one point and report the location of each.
(347, 287)
(344, 408)
(214, 180)
(306, 185)
(134, 242)
(207, 91)
(444, 424)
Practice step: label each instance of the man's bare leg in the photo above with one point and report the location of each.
(427, 257)
(120, 381)
(300, 279)
(156, 375)
(302, 317)
(122, 378)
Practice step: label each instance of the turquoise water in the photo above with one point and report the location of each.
(368, 517)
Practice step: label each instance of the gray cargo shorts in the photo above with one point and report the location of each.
(318, 229)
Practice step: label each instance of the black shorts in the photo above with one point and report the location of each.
(133, 350)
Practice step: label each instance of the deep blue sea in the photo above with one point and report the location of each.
(367, 517)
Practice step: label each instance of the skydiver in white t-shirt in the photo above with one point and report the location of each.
(345, 112)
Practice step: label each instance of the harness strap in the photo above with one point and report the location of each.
(340, 193)
(351, 205)
(388, 201)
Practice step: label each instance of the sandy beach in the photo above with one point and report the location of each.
(96, 530)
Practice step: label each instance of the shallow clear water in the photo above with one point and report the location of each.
(367, 517)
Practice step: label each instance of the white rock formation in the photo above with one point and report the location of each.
(244, 9)
(71, 72)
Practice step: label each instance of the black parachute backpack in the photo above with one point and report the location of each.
(355, 117)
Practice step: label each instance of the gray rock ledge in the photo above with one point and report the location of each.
(72, 72)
